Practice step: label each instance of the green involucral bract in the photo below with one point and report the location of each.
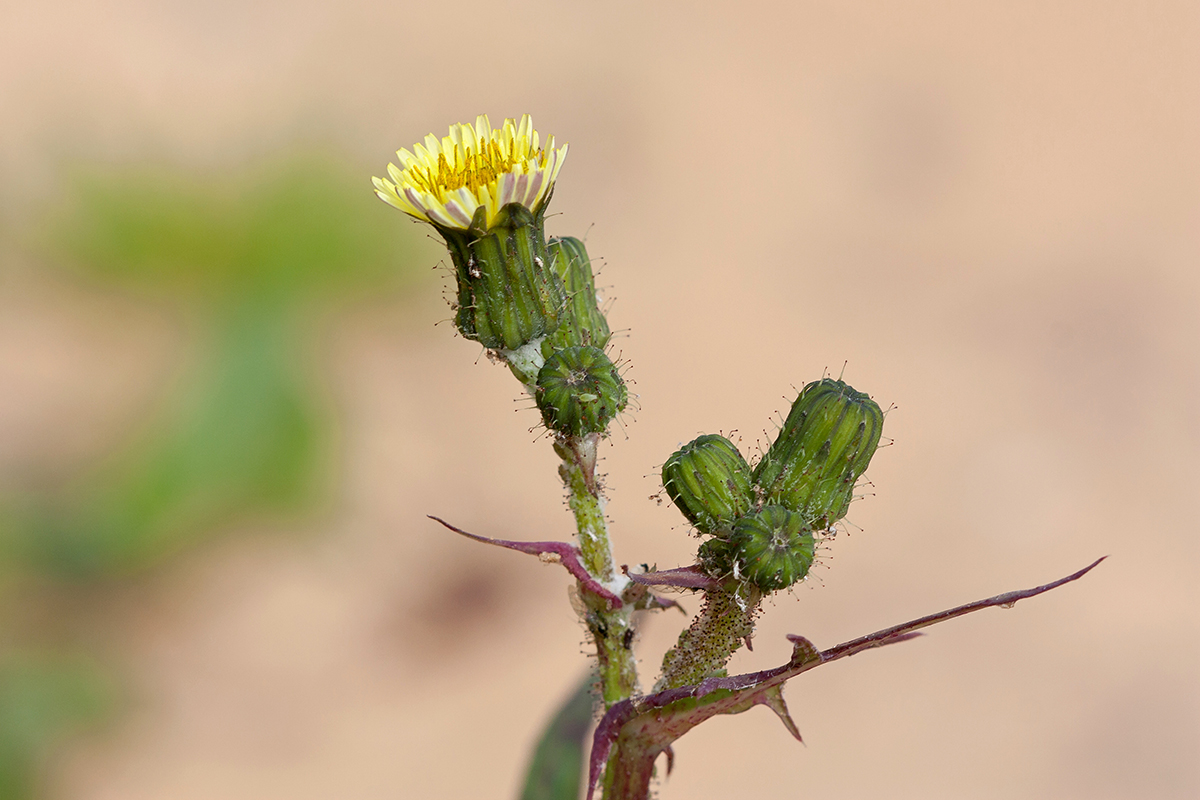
(709, 481)
(825, 445)
(773, 547)
(582, 322)
(508, 293)
(579, 391)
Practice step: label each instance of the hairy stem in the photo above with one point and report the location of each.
(725, 622)
(610, 628)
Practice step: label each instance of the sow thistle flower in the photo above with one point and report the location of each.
(486, 192)
(446, 181)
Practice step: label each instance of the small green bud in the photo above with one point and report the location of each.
(508, 292)
(709, 481)
(825, 445)
(716, 557)
(581, 322)
(773, 548)
(579, 391)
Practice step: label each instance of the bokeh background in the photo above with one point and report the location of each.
(229, 392)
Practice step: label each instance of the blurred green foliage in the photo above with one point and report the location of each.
(43, 697)
(294, 227)
(556, 770)
(251, 260)
(245, 435)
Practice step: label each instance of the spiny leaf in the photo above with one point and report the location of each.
(773, 699)
(551, 552)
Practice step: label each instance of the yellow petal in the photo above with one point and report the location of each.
(445, 180)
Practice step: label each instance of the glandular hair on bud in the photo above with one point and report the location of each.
(773, 548)
(579, 391)
(709, 481)
(581, 322)
(508, 292)
(825, 445)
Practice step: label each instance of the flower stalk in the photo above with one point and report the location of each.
(611, 629)
(724, 624)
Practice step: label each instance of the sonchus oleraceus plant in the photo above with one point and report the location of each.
(531, 302)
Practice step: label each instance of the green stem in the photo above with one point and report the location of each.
(630, 770)
(610, 629)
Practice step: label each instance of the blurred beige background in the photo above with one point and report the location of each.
(987, 211)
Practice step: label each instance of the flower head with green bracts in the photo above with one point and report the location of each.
(486, 191)
(446, 181)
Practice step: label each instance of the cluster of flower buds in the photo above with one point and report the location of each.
(531, 302)
(761, 522)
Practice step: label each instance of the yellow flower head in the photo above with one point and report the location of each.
(445, 181)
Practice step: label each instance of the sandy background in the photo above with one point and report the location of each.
(989, 211)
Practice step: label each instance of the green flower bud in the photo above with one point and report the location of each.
(579, 391)
(581, 322)
(710, 482)
(826, 443)
(508, 292)
(716, 557)
(773, 548)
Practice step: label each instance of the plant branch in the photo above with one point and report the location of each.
(635, 731)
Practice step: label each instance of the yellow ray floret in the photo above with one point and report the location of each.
(445, 181)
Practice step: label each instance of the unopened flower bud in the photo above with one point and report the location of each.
(773, 548)
(581, 321)
(716, 557)
(825, 445)
(579, 391)
(709, 481)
